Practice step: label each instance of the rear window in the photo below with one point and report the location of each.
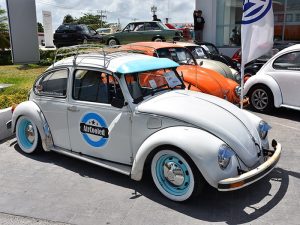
(68, 27)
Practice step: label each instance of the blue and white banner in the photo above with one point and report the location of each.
(257, 29)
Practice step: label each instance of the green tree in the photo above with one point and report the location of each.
(68, 19)
(40, 27)
(93, 21)
(4, 36)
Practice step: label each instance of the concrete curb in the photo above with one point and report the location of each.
(5, 116)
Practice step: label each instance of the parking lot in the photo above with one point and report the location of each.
(52, 189)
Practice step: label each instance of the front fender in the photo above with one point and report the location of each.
(201, 146)
(31, 110)
(267, 81)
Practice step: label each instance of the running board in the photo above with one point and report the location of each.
(120, 168)
(290, 107)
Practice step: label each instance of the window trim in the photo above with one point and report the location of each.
(97, 70)
(47, 73)
(296, 51)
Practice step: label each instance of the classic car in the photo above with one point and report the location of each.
(195, 77)
(213, 53)
(142, 31)
(203, 59)
(129, 112)
(277, 83)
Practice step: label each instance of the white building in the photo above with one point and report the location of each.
(222, 16)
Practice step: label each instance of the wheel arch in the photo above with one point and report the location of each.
(31, 110)
(267, 81)
(183, 143)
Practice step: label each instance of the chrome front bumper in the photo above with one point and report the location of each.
(251, 176)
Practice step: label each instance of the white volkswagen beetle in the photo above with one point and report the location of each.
(126, 112)
(277, 83)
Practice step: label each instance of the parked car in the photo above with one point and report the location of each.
(277, 83)
(213, 53)
(251, 68)
(126, 112)
(143, 31)
(75, 34)
(105, 31)
(203, 59)
(195, 77)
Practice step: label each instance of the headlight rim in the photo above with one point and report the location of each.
(263, 129)
(225, 153)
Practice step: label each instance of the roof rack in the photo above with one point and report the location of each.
(76, 50)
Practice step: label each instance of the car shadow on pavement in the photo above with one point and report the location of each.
(237, 207)
(284, 113)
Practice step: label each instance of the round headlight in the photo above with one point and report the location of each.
(263, 129)
(238, 90)
(224, 156)
(237, 76)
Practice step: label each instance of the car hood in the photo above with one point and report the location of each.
(216, 116)
(217, 66)
(207, 80)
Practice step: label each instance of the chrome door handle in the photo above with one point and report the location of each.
(73, 108)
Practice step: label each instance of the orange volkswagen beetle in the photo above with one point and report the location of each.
(195, 77)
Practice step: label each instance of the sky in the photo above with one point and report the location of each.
(179, 11)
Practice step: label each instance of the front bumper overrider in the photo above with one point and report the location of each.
(254, 175)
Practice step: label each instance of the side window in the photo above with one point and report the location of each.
(95, 86)
(129, 27)
(289, 61)
(153, 26)
(53, 84)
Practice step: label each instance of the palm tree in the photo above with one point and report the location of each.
(4, 37)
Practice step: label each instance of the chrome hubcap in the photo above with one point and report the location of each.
(29, 132)
(173, 173)
(260, 99)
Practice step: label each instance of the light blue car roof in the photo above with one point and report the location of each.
(147, 64)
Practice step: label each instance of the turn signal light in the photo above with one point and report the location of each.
(13, 107)
(237, 184)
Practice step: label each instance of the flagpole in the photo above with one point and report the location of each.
(242, 84)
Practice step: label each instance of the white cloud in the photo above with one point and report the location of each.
(125, 10)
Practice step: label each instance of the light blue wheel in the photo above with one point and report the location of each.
(172, 175)
(27, 134)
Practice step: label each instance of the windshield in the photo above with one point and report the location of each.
(180, 55)
(197, 52)
(148, 83)
(210, 49)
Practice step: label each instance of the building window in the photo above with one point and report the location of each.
(229, 16)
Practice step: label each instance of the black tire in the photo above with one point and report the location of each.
(261, 98)
(184, 185)
(112, 42)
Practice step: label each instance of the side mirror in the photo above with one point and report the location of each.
(118, 103)
(201, 63)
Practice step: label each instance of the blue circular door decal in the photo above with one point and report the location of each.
(254, 10)
(94, 130)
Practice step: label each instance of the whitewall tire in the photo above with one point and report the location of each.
(27, 135)
(173, 175)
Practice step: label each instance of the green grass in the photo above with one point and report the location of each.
(22, 79)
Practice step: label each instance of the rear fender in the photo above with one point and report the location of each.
(31, 110)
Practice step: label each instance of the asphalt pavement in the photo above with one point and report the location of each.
(49, 188)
